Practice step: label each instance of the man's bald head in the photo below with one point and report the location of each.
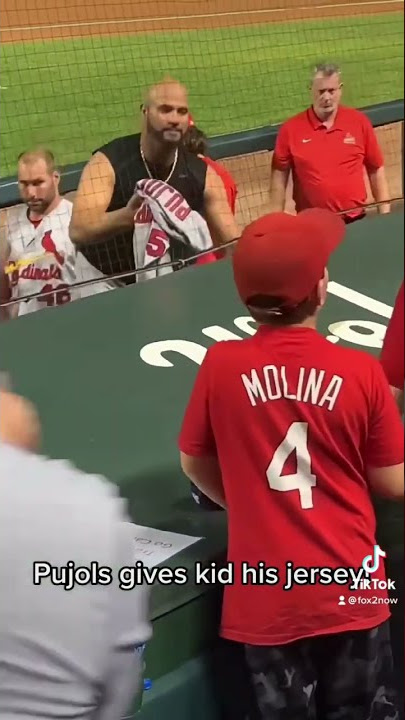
(29, 157)
(164, 90)
(166, 111)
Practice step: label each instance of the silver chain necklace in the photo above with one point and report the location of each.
(147, 166)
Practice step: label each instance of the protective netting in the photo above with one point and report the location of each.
(73, 76)
(73, 73)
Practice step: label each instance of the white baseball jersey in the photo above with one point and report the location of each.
(43, 258)
(166, 216)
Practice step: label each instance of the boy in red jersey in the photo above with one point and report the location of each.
(392, 353)
(291, 434)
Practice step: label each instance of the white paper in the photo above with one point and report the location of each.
(154, 547)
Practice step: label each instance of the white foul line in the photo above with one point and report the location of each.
(357, 298)
(235, 13)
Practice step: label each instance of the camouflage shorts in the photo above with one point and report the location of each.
(347, 676)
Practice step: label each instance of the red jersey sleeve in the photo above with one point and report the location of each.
(228, 181)
(232, 194)
(230, 189)
(196, 435)
(282, 158)
(392, 353)
(373, 157)
(385, 441)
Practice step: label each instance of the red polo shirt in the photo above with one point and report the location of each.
(328, 165)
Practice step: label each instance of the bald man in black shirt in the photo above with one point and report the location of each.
(104, 207)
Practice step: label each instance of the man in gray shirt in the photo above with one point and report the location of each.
(65, 653)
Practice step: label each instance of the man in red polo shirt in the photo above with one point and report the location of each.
(291, 433)
(392, 353)
(327, 148)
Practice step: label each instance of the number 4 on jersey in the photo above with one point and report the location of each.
(303, 480)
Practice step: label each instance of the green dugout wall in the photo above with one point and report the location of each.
(111, 376)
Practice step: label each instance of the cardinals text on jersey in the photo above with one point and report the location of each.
(44, 260)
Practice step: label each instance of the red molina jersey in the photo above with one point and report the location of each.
(295, 421)
(392, 354)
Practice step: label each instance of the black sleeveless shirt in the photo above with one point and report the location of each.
(116, 254)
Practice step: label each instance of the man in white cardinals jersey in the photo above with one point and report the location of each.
(40, 255)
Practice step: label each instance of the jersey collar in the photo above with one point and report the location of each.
(266, 331)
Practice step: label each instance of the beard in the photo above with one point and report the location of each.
(171, 137)
(39, 206)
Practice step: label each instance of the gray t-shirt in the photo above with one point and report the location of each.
(65, 653)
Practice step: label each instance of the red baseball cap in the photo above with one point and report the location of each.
(284, 256)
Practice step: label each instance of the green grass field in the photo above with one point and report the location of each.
(73, 95)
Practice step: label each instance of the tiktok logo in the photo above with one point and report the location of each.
(375, 558)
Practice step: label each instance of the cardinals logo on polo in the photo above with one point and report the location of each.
(349, 139)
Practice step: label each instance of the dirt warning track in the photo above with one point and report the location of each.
(30, 20)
